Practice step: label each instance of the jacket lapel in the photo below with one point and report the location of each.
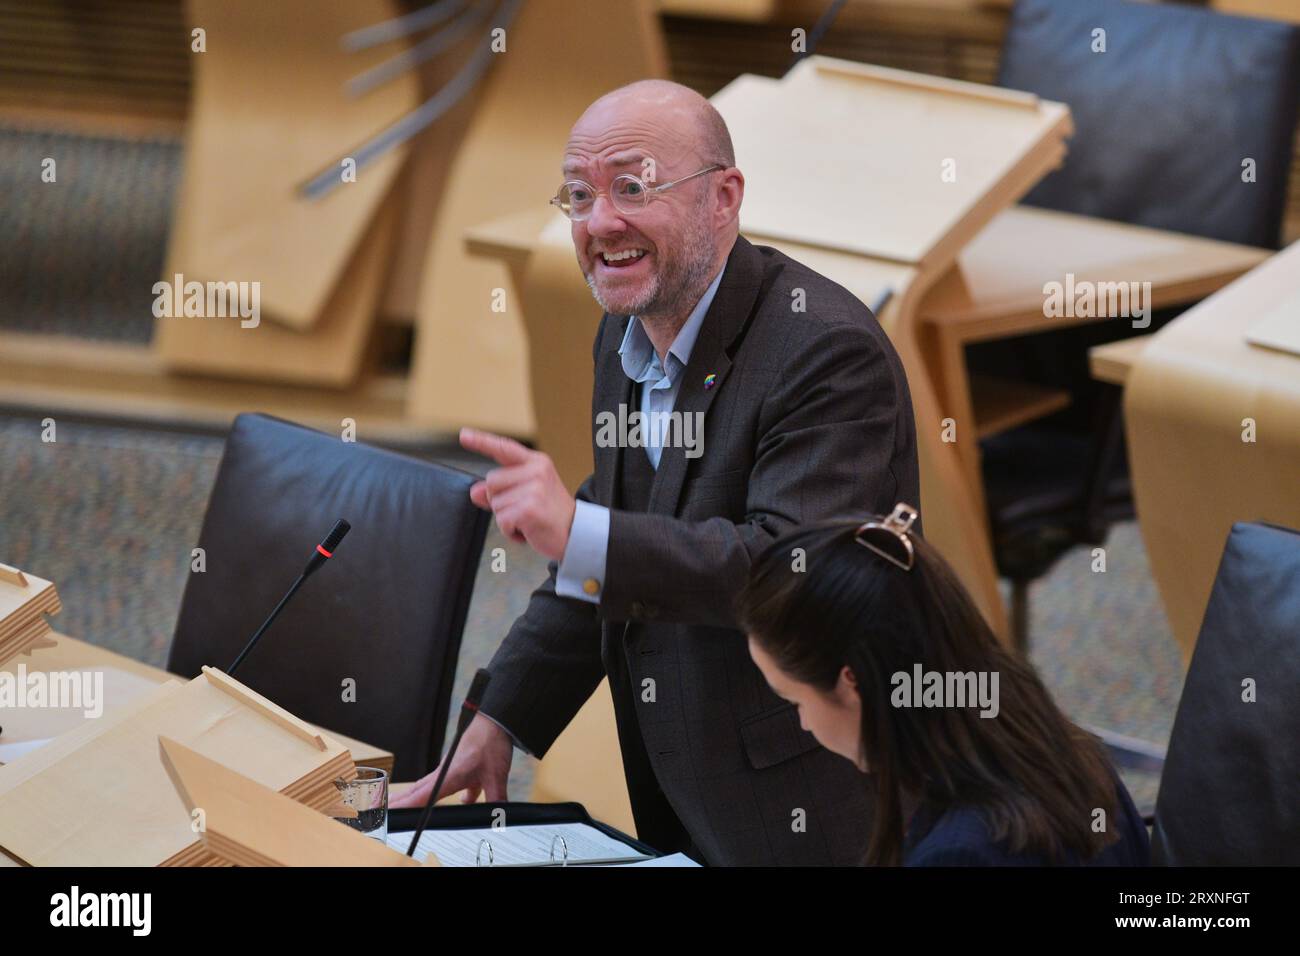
(612, 388)
(729, 315)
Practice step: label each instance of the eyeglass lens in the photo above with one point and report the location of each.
(627, 192)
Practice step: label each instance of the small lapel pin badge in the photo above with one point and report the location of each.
(710, 380)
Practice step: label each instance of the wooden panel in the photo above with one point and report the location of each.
(1287, 10)
(887, 203)
(329, 353)
(25, 600)
(424, 182)
(1185, 404)
(248, 149)
(961, 39)
(98, 795)
(248, 824)
(1004, 404)
(96, 61)
(125, 681)
(50, 374)
(1113, 361)
(997, 286)
(751, 10)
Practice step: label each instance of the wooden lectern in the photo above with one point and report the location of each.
(97, 795)
(24, 601)
(248, 824)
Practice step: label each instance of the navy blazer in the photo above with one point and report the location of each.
(960, 837)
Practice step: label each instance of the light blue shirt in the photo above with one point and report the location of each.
(584, 557)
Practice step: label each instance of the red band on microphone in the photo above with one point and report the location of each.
(328, 554)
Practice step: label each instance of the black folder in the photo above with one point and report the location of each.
(479, 816)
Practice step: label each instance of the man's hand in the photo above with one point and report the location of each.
(482, 765)
(525, 494)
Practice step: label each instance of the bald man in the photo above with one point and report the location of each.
(737, 393)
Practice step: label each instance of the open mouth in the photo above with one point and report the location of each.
(622, 260)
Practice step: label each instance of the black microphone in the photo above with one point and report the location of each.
(324, 551)
(467, 712)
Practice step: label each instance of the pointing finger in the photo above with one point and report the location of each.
(502, 450)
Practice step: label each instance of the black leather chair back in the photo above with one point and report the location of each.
(1230, 791)
(386, 613)
(1165, 117)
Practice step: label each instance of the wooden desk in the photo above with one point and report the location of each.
(124, 678)
(1195, 467)
(996, 291)
(1272, 9)
(1113, 361)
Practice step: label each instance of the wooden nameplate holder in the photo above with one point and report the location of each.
(98, 795)
(24, 601)
(248, 824)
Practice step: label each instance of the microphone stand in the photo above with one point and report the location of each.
(324, 551)
(467, 711)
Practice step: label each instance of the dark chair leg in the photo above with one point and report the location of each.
(1107, 444)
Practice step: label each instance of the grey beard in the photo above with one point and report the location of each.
(684, 280)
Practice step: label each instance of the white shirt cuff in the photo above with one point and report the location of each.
(582, 571)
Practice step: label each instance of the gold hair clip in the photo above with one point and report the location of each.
(889, 538)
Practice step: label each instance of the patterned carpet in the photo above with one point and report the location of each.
(108, 194)
(110, 515)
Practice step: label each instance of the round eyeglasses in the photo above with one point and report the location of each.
(629, 194)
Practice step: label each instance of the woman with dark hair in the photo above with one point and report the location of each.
(869, 632)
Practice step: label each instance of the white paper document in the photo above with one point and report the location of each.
(520, 846)
(672, 859)
(1279, 329)
(9, 752)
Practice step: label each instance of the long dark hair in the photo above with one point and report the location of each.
(818, 601)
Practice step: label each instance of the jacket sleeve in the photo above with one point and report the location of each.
(548, 665)
(550, 661)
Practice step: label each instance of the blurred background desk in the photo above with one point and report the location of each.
(1213, 426)
(996, 291)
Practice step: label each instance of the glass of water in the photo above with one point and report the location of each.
(368, 795)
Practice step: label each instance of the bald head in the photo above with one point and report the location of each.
(668, 106)
(661, 157)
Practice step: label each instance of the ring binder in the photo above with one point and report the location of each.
(564, 843)
(484, 849)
